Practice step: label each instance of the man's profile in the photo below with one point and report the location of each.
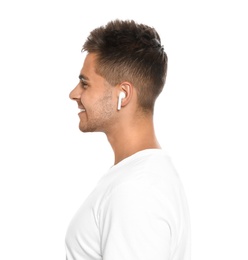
(138, 210)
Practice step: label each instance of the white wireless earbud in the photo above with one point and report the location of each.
(121, 96)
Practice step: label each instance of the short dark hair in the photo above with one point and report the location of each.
(128, 51)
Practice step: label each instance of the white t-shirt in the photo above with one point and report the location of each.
(138, 211)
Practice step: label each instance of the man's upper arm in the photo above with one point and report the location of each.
(134, 225)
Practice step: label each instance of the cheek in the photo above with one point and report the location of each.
(106, 105)
(87, 101)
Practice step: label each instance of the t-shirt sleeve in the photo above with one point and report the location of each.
(134, 224)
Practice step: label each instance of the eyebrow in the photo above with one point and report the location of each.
(83, 77)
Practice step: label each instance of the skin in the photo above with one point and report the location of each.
(128, 130)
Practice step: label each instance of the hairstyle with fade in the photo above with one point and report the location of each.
(128, 51)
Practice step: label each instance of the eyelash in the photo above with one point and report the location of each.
(84, 84)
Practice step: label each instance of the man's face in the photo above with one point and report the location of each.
(96, 99)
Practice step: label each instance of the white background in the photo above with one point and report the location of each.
(48, 166)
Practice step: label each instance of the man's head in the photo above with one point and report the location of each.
(130, 52)
(125, 66)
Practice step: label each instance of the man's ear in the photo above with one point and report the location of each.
(126, 88)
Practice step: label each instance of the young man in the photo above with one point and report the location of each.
(138, 210)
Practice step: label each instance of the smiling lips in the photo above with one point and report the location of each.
(81, 109)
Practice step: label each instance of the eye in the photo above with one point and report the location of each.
(84, 84)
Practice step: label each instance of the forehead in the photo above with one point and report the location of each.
(88, 71)
(88, 68)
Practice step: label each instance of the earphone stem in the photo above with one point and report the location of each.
(119, 103)
(121, 96)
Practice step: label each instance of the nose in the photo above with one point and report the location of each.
(75, 94)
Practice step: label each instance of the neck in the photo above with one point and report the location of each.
(133, 137)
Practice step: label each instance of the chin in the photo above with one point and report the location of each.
(86, 129)
(81, 128)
